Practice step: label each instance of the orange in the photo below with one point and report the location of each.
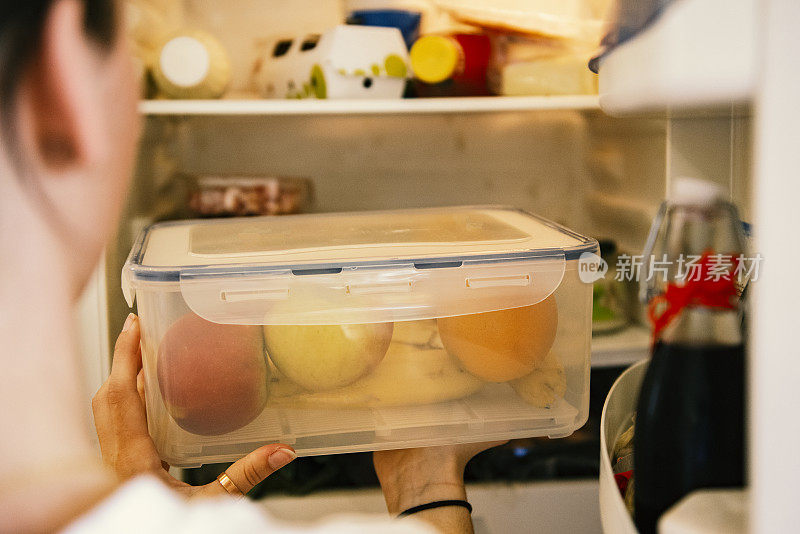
(502, 345)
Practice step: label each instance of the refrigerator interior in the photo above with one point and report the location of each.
(561, 158)
(599, 175)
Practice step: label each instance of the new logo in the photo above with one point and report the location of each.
(591, 267)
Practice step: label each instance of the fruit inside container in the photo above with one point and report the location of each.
(397, 329)
(216, 378)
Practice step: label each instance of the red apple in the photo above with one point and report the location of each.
(213, 377)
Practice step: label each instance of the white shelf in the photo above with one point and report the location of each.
(698, 54)
(486, 104)
(621, 348)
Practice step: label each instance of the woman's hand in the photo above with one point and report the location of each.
(121, 422)
(411, 477)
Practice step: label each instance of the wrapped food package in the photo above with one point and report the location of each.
(575, 20)
(530, 65)
(227, 196)
(539, 47)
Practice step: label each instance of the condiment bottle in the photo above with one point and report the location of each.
(690, 418)
(451, 65)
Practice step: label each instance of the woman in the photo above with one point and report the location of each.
(68, 130)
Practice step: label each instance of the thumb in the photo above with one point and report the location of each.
(254, 468)
(127, 360)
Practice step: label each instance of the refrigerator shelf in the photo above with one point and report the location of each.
(622, 348)
(253, 106)
(699, 54)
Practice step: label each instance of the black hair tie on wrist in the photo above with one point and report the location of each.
(435, 504)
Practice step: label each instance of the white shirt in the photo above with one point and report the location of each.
(145, 504)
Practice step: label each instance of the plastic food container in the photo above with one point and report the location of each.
(227, 196)
(344, 62)
(360, 331)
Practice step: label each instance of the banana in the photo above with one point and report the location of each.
(414, 371)
(544, 385)
(414, 332)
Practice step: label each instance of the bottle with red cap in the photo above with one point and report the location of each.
(690, 419)
(451, 65)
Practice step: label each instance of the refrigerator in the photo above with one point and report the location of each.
(701, 88)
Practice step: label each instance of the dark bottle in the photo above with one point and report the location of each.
(690, 418)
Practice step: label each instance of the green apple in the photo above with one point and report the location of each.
(325, 357)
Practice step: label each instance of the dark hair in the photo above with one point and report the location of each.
(21, 23)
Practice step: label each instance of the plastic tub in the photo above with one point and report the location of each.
(360, 331)
(620, 405)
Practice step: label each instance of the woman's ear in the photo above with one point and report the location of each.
(60, 94)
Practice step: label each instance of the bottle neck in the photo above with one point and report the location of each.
(699, 326)
(683, 237)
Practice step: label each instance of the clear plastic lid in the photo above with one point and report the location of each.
(355, 267)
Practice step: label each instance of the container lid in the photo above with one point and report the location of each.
(354, 267)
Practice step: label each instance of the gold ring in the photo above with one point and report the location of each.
(228, 485)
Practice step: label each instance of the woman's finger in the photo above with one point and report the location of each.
(254, 468)
(140, 385)
(127, 354)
